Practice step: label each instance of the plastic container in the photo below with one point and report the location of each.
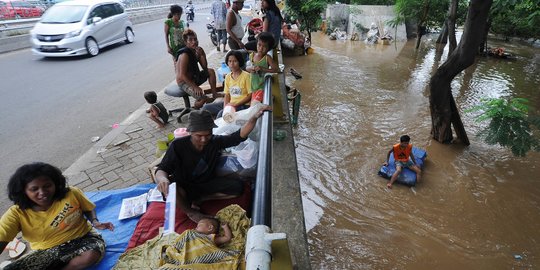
(229, 114)
(222, 71)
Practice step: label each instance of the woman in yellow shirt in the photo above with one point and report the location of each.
(55, 219)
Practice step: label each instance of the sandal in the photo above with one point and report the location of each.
(16, 248)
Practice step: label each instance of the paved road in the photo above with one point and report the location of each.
(53, 107)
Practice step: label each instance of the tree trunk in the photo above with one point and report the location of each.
(421, 28)
(444, 112)
(483, 46)
(443, 36)
(452, 26)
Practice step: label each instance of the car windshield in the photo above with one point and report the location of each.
(64, 14)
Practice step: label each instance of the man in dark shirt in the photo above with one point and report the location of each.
(191, 162)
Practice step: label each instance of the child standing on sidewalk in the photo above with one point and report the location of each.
(261, 63)
(157, 111)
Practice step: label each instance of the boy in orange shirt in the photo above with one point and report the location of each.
(403, 157)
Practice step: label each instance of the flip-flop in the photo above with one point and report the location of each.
(16, 248)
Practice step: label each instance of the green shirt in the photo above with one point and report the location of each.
(175, 36)
(257, 78)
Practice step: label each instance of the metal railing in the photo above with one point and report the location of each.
(262, 200)
(260, 236)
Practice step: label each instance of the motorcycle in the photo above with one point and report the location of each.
(190, 13)
(212, 32)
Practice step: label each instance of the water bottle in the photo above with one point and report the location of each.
(222, 71)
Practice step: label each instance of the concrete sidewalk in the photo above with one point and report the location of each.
(122, 157)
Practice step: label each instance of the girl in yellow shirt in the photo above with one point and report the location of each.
(55, 219)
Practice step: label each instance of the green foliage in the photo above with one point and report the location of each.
(520, 18)
(308, 12)
(413, 10)
(510, 124)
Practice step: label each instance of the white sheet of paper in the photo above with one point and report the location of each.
(132, 207)
(170, 210)
(154, 195)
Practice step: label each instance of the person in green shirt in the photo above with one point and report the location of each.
(174, 27)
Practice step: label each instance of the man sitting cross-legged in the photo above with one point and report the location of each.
(191, 162)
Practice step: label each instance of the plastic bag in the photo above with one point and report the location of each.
(163, 145)
(247, 153)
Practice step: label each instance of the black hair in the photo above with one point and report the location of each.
(150, 96)
(175, 9)
(188, 32)
(405, 138)
(272, 6)
(238, 55)
(28, 172)
(267, 38)
(215, 222)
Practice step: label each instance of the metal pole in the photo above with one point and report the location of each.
(262, 207)
(259, 238)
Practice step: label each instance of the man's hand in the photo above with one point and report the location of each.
(163, 187)
(262, 110)
(198, 52)
(198, 91)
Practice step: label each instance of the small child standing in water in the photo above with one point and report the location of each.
(261, 63)
(210, 227)
(404, 158)
(157, 111)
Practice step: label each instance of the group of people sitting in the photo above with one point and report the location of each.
(243, 86)
(59, 221)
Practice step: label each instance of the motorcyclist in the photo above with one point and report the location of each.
(190, 11)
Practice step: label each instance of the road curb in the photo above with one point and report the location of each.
(90, 158)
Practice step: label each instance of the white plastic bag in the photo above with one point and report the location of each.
(247, 153)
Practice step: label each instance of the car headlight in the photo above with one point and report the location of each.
(73, 33)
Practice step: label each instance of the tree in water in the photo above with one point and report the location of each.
(307, 12)
(424, 13)
(444, 112)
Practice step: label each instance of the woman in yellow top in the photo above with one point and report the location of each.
(55, 219)
(236, 86)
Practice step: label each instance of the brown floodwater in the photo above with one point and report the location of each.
(477, 206)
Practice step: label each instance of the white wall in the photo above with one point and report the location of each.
(365, 15)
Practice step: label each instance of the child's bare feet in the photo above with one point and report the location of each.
(389, 185)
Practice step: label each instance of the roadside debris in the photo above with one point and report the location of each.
(122, 141)
(134, 130)
(95, 138)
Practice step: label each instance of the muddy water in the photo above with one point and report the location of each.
(476, 206)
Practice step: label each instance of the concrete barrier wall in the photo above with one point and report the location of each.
(351, 15)
(13, 43)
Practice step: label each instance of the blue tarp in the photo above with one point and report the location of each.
(108, 204)
(407, 176)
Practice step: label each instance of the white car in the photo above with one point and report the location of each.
(80, 27)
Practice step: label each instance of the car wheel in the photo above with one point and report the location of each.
(130, 37)
(92, 47)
